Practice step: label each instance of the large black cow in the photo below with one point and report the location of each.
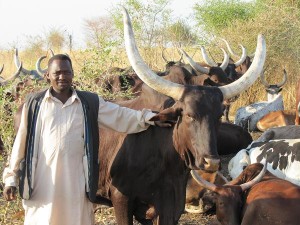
(145, 174)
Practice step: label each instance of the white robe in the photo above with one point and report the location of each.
(59, 196)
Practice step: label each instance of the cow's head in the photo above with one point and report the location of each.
(198, 199)
(197, 109)
(273, 90)
(228, 198)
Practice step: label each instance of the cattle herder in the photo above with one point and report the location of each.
(55, 154)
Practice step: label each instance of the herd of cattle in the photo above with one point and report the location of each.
(155, 175)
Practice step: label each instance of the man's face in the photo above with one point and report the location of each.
(60, 74)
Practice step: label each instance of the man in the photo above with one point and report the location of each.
(55, 153)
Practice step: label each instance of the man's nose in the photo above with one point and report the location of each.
(62, 76)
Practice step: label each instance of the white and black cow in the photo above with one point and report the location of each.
(282, 155)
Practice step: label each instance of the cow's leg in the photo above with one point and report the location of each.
(226, 112)
(144, 213)
(171, 203)
(122, 207)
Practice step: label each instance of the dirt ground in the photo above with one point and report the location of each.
(105, 216)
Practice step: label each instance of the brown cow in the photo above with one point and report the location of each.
(256, 196)
(196, 200)
(149, 170)
(276, 119)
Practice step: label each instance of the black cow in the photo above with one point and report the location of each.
(145, 174)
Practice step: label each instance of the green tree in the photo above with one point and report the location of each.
(179, 32)
(148, 19)
(215, 15)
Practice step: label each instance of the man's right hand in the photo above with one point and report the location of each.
(9, 193)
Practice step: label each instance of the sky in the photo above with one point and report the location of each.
(20, 19)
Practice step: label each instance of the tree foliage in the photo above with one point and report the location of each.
(148, 18)
(179, 32)
(55, 39)
(215, 15)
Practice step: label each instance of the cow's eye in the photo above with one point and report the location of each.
(190, 118)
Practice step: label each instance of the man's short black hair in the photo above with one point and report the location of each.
(59, 57)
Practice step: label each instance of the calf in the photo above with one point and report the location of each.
(266, 199)
(276, 119)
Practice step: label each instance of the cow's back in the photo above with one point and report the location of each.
(271, 200)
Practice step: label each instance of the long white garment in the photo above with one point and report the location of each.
(59, 196)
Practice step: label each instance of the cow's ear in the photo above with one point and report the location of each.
(169, 114)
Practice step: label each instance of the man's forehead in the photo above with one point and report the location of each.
(59, 64)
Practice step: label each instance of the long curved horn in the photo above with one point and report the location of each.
(206, 58)
(284, 79)
(257, 179)
(51, 52)
(204, 183)
(225, 60)
(193, 64)
(1, 70)
(142, 70)
(263, 80)
(11, 78)
(38, 65)
(256, 68)
(243, 57)
(18, 62)
(229, 48)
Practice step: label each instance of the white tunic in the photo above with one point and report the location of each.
(59, 196)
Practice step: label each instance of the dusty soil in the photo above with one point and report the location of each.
(105, 216)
